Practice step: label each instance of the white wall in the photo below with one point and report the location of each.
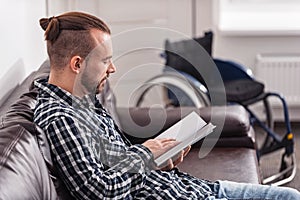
(22, 45)
(243, 48)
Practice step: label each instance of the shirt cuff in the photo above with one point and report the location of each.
(144, 153)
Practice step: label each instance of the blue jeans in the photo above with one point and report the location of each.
(227, 190)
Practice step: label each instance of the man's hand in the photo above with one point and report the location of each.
(182, 154)
(171, 164)
(160, 146)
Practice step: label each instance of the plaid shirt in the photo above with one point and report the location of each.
(96, 161)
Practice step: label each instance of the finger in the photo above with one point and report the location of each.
(163, 140)
(186, 151)
(170, 144)
(179, 159)
(169, 165)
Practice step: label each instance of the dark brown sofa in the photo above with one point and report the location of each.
(27, 172)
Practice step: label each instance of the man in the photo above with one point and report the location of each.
(93, 158)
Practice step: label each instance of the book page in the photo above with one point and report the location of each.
(184, 128)
(187, 131)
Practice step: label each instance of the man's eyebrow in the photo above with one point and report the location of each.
(107, 58)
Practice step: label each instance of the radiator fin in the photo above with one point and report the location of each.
(280, 74)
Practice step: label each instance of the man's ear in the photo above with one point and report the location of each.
(75, 64)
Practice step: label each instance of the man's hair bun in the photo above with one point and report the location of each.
(51, 28)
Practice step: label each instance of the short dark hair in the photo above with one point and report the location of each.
(69, 34)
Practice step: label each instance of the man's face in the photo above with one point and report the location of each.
(98, 65)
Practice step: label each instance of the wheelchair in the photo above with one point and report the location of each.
(184, 86)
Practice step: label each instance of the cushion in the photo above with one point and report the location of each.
(19, 117)
(21, 112)
(243, 90)
(23, 172)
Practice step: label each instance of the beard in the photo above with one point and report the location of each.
(91, 86)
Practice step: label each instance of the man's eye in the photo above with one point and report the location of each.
(108, 61)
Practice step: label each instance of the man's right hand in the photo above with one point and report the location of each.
(160, 146)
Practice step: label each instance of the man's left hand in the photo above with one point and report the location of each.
(171, 164)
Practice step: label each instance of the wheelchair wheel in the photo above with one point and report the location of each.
(185, 90)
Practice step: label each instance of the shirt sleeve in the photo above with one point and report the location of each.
(85, 175)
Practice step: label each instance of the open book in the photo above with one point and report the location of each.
(187, 131)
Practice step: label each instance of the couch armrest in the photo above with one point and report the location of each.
(223, 164)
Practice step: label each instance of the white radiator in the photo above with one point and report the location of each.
(280, 74)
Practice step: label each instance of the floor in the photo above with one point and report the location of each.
(270, 163)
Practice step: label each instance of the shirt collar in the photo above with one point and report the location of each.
(66, 97)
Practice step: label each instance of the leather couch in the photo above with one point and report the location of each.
(27, 171)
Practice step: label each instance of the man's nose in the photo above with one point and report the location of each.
(111, 68)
